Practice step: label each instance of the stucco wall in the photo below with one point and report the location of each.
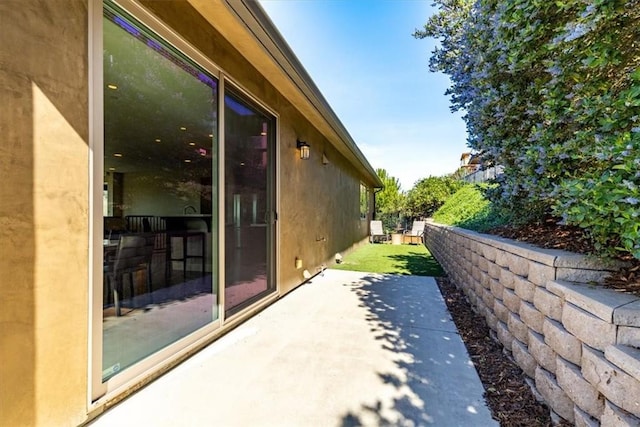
(44, 159)
(578, 343)
(44, 198)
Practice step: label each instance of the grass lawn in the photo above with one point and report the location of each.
(391, 259)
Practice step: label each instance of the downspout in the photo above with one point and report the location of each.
(374, 200)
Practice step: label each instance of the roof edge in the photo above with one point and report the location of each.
(264, 30)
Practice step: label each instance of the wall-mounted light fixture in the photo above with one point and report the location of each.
(304, 149)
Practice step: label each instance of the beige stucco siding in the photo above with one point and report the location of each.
(43, 212)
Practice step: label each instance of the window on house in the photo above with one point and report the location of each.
(364, 201)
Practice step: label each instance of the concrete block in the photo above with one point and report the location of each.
(553, 394)
(628, 314)
(524, 288)
(502, 259)
(504, 336)
(523, 358)
(555, 288)
(616, 385)
(489, 252)
(588, 262)
(494, 270)
(544, 355)
(580, 275)
(540, 274)
(483, 264)
(600, 302)
(582, 419)
(579, 390)
(625, 358)
(628, 335)
(562, 342)
(531, 316)
(616, 417)
(477, 288)
(492, 320)
(488, 298)
(548, 303)
(588, 328)
(476, 274)
(518, 265)
(518, 328)
(501, 311)
(474, 259)
(474, 286)
(506, 278)
(485, 279)
(511, 300)
(496, 288)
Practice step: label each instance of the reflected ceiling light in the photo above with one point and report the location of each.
(158, 140)
(263, 133)
(117, 154)
(183, 128)
(112, 86)
(304, 149)
(187, 161)
(112, 169)
(210, 135)
(192, 143)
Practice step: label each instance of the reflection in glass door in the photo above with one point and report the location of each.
(160, 160)
(249, 198)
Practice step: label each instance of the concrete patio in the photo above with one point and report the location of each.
(345, 349)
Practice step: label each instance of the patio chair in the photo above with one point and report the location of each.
(376, 232)
(415, 234)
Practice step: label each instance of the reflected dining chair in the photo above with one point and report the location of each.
(134, 253)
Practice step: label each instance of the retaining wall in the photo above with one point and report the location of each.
(577, 342)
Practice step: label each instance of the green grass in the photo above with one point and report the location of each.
(391, 259)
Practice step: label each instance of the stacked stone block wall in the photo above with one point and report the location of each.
(577, 341)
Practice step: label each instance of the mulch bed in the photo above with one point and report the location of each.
(508, 396)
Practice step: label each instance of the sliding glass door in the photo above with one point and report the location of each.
(159, 192)
(249, 134)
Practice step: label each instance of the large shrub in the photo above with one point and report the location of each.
(551, 91)
(469, 208)
(428, 194)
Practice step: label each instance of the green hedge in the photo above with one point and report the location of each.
(468, 208)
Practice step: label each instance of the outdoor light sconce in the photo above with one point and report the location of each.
(304, 149)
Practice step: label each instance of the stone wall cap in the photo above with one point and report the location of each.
(628, 314)
(551, 257)
(624, 357)
(599, 301)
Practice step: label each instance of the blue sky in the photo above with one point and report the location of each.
(375, 76)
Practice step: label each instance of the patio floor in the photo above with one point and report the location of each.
(345, 349)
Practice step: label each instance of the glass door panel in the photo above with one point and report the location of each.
(249, 141)
(160, 218)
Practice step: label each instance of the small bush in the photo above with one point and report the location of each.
(468, 208)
